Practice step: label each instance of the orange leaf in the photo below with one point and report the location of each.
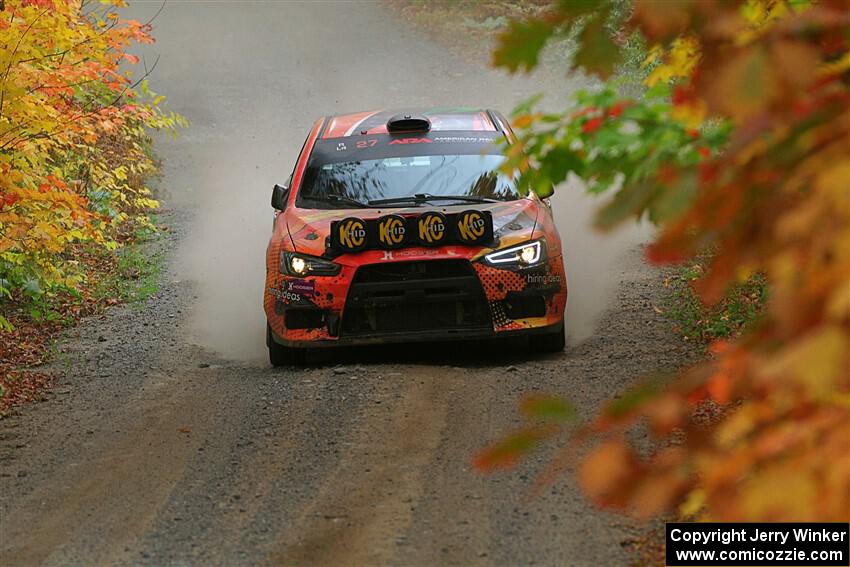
(719, 387)
(608, 467)
(744, 85)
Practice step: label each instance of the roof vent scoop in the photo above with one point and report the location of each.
(408, 123)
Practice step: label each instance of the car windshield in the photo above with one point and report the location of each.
(408, 180)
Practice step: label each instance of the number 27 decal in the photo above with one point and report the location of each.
(366, 143)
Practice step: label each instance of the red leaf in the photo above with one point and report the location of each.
(682, 95)
(667, 175)
(592, 125)
(616, 109)
(707, 173)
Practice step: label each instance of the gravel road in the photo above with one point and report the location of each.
(168, 443)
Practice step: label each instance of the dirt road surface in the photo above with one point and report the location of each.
(168, 442)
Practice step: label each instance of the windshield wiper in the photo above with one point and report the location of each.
(343, 200)
(421, 198)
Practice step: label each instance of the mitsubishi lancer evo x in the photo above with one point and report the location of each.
(401, 227)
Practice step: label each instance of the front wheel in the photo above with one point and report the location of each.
(280, 355)
(549, 342)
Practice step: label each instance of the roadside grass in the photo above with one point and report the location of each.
(742, 305)
(467, 27)
(128, 275)
(699, 325)
(135, 279)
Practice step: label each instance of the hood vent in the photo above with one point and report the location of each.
(408, 123)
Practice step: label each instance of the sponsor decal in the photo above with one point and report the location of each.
(424, 252)
(542, 279)
(416, 253)
(285, 296)
(464, 139)
(392, 231)
(306, 288)
(471, 226)
(431, 228)
(351, 234)
(340, 147)
(410, 141)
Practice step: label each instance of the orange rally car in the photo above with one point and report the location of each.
(399, 226)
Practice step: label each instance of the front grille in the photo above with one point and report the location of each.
(304, 318)
(523, 305)
(436, 295)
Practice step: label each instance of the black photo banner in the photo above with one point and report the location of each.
(432, 228)
(760, 544)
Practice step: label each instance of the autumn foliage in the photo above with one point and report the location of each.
(740, 150)
(74, 155)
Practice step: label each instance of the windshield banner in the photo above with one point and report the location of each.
(470, 228)
(381, 146)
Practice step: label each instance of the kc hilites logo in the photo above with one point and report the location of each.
(471, 226)
(351, 234)
(431, 228)
(392, 231)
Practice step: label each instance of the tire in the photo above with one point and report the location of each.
(549, 342)
(280, 355)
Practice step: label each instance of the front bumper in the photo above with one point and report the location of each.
(419, 337)
(424, 300)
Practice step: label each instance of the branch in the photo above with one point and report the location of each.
(45, 135)
(12, 57)
(149, 22)
(64, 52)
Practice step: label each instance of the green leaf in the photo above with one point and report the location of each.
(554, 168)
(658, 90)
(635, 396)
(630, 200)
(670, 202)
(519, 47)
(506, 453)
(547, 407)
(597, 52)
(526, 106)
(32, 288)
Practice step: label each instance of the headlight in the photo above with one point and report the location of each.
(521, 256)
(293, 264)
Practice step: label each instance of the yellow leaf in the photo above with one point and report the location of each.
(693, 504)
(815, 362)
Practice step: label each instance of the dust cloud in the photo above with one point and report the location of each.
(592, 259)
(252, 77)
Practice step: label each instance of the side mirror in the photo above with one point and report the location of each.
(279, 195)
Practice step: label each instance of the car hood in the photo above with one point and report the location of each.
(513, 221)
